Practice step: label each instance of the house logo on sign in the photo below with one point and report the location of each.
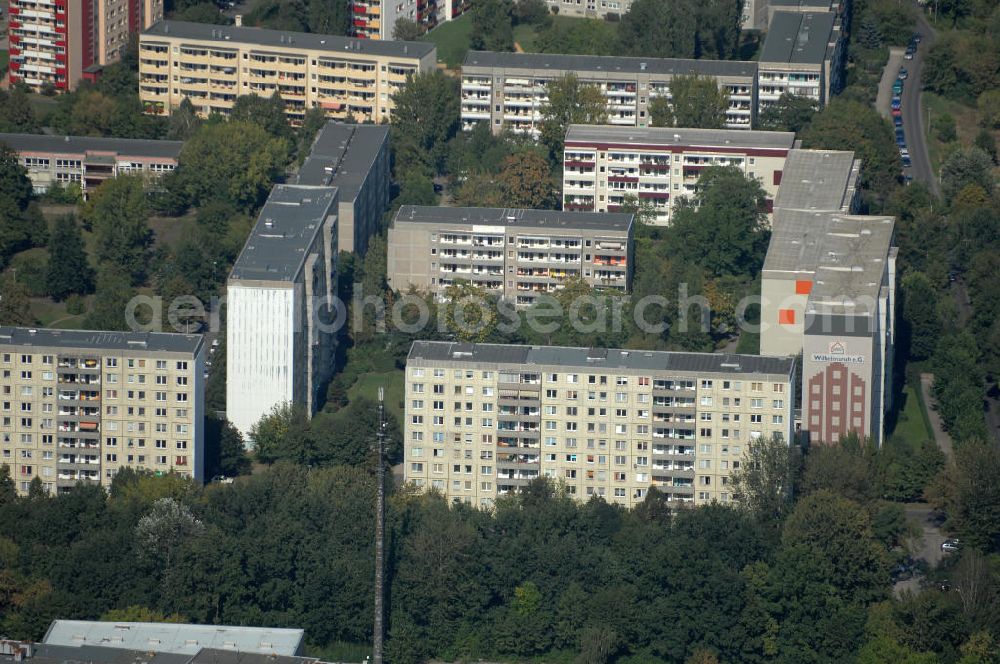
(837, 352)
(837, 348)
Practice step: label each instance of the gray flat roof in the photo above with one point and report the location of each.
(670, 136)
(818, 180)
(100, 340)
(285, 230)
(286, 39)
(515, 218)
(798, 37)
(135, 147)
(828, 5)
(43, 653)
(587, 64)
(175, 638)
(526, 357)
(342, 156)
(845, 254)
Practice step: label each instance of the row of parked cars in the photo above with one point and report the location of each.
(897, 107)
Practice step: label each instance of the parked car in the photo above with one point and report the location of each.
(897, 120)
(951, 545)
(897, 87)
(902, 74)
(897, 112)
(906, 164)
(916, 38)
(897, 103)
(910, 50)
(907, 178)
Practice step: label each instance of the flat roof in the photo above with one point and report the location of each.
(845, 254)
(165, 342)
(515, 217)
(42, 653)
(798, 37)
(818, 180)
(137, 147)
(670, 136)
(286, 228)
(829, 5)
(526, 357)
(285, 39)
(175, 638)
(586, 64)
(342, 155)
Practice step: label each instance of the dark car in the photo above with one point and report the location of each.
(951, 545)
(906, 164)
(907, 178)
(903, 74)
(910, 50)
(916, 38)
(896, 103)
(897, 87)
(897, 120)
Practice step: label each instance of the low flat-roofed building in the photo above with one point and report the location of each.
(803, 54)
(515, 254)
(604, 164)
(175, 638)
(602, 422)
(80, 405)
(508, 89)
(88, 161)
(280, 293)
(770, 7)
(355, 160)
(597, 9)
(820, 180)
(211, 65)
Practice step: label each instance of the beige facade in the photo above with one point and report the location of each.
(508, 90)
(88, 161)
(351, 79)
(80, 406)
(484, 420)
(603, 165)
(803, 54)
(515, 254)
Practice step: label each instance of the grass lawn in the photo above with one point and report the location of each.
(452, 40)
(912, 426)
(53, 314)
(966, 123)
(367, 386)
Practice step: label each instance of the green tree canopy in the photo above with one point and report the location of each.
(791, 112)
(569, 102)
(117, 211)
(697, 102)
(492, 26)
(68, 269)
(424, 118)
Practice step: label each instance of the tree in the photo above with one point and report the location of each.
(167, 526)
(267, 112)
(965, 167)
(268, 435)
(415, 189)
(922, 324)
(8, 489)
(68, 269)
(138, 613)
(18, 115)
(762, 484)
(944, 127)
(845, 124)
(659, 29)
(113, 293)
(987, 143)
(233, 162)
(791, 112)
(492, 26)
(328, 17)
(406, 29)
(569, 102)
(968, 491)
(425, 116)
(725, 229)
(525, 181)
(989, 108)
(117, 213)
(15, 307)
(21, 224)
(471, 314)
(698, 102)
(183, 122)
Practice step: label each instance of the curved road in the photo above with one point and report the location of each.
(914, 115)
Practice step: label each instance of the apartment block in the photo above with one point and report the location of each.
(803, 54)
(280, 338)
(59, 42)
(828, 292)
(355, 160)
(602, 165)
(89, 161)
(508, 90)
(839, 8)
(518, 255)
(375, 19)
(484, 420)
(351, 79)
(603, 9)
(78, 406)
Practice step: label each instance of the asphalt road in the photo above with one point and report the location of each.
(914, 116)
(927, 547)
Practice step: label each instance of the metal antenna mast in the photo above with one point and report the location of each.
(379, 626)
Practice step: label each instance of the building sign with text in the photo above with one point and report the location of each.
(837, 352)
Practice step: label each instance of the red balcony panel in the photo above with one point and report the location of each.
(359, 23)
(360, 10)
(578, 207)
(656, 167)
(572, 163)
(660, 195)
(622, 178)
(61, 70)
(14, 25)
